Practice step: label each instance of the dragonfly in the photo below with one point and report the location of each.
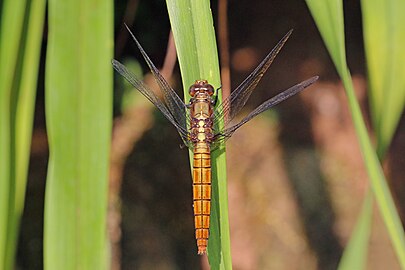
(197, 122)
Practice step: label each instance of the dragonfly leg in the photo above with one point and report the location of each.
(214, 101)
(188, 105)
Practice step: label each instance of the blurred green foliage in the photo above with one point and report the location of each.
(21, 29)
(383, 40)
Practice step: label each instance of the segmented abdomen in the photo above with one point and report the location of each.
(202, 195)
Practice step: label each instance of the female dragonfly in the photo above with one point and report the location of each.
(197, 123)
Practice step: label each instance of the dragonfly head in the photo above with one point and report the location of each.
(201, 86)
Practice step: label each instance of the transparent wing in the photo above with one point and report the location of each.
(173, 102)
(227, 132)
(231, 106)
(178, 121)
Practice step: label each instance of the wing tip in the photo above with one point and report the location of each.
(127, 27)
(116, 64)
(287, 36)
(134, 38)
(310, 81)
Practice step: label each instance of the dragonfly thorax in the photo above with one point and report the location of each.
(201, 112)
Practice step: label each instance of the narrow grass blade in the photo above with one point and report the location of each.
(78, 113)
(194, 36)
(21, 39)
(355, 255)
(384, 39)
(328, 16)
(11, 24)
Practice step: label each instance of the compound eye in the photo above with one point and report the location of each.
(192, 90)
(210, 89)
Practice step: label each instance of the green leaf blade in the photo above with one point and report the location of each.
(20, 43)
(384, 38)
(355, 255)
(194, 36)
(78, 113)
(332, 35)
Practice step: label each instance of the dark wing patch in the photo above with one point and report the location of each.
(152, 97)
(231, 106)
(227, 132)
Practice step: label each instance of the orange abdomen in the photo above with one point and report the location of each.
(202, 196)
